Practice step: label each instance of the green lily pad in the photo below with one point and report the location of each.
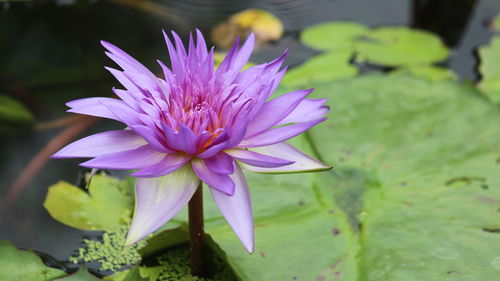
(325, 67)
(81, 275)
(429, 72)
(490, 70)
(428, 155)
(333, 35)
(300, 234)
(414, 196)
(170, 235)
(398, 46)
(302, 241)
(23, 265)
(106, 206)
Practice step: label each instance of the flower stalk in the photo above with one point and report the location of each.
(197, 233)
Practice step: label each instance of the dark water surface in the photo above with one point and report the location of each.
(50, 53)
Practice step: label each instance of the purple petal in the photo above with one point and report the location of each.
(210, 152)
(244, 53)
(237, 132)
(124, 114)
(257, 159)
(275, 135)
(183, 140)
(133, 79)
(138, 158)
(101, 144)
(131, 63)
(188, 139)
(176, 62)
(150, 136)
(129, 98)
(221, 182)
(302, 162)
(225, 65)
(218, 145)
(168, 165)
(221, 163)
(179, 45)
(275, 110)
(160, 199)
(237, 209)
(277, 79)
(307, 110)
(95, 107)
(124, 80)
(201, 46)
(275, 65)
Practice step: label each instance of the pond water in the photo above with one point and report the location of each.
(50, 54)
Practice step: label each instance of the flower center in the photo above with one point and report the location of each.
(201, 107)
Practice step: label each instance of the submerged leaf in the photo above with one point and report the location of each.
(23, 265)
(107, 206)
(397, 46)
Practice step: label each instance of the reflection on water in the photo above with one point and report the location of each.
(50, 53)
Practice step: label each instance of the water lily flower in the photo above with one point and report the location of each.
(198, 123)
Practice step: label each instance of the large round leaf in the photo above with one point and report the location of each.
(332, 35)
(429, 72)
(325, 67)
(396, 46)
(300, 234)
(429, 187)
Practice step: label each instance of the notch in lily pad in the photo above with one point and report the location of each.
(490, 70)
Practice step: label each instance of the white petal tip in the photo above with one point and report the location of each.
(249, 246)
(297, 171)
(133, 237)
